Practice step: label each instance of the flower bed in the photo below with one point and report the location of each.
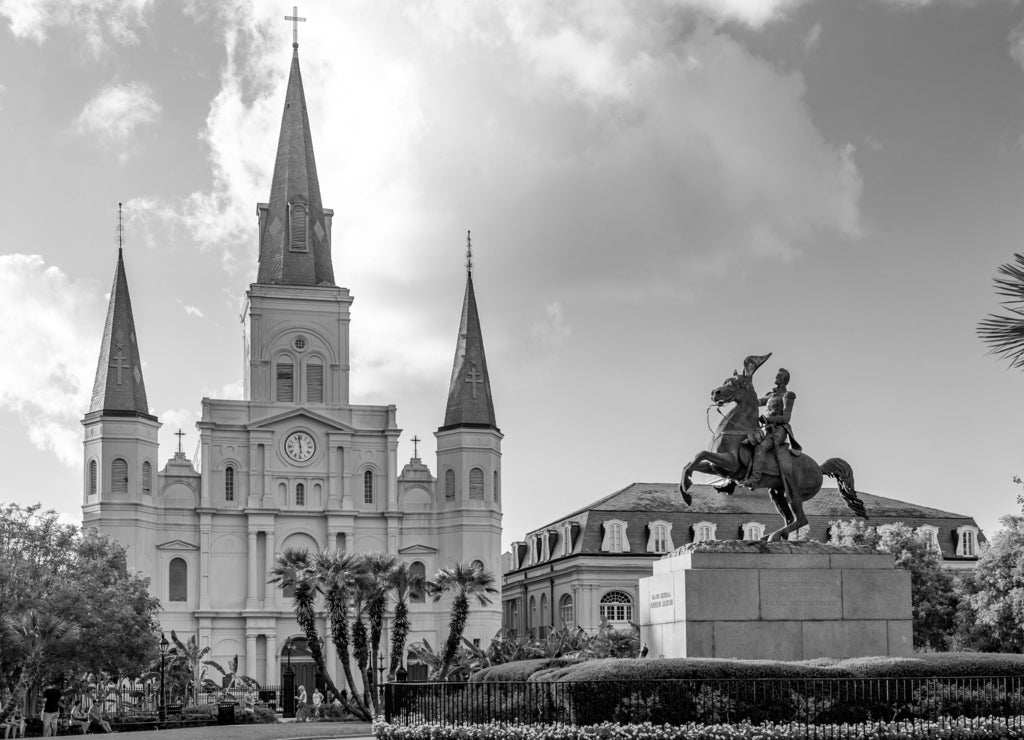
(974, 729)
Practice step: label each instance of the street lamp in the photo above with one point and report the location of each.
(164, 645)
(288, 682)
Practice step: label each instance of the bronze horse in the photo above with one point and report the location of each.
(801, 477)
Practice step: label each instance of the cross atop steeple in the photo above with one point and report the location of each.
(415, 447)
(179, 434)
(295, 25)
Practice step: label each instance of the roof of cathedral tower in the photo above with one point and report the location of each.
(295, 244)
(469, 395)
(119, 389)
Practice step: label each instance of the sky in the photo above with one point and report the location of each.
(655, 191)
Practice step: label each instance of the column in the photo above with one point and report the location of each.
(255, 490)
(207, 468)
(331, 657)
(250, 600)
(392, 472)
(250, 653)
(272, 590)
(204, 561)
(273, 676)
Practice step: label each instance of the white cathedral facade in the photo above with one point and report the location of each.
(296, 464)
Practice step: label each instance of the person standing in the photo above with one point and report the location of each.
(318, 700)
(52, 699)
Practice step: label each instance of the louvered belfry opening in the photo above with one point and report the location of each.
(314, 383)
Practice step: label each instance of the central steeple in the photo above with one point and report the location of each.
(295, 228)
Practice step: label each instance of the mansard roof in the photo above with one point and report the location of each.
(119, 389)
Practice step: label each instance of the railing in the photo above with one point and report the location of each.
(822, 707)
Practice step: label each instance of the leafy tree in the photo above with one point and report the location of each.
(403, 583)
(296, 569)
(933, 590)
(1004, 333)
(463, 581)
(186, 672)
(992, 615)
(340, 576)
(230, 678)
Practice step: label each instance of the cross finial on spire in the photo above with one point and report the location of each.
(120, 229)
(179, 434)
(295, 25)
(415, 447)
(469, 254)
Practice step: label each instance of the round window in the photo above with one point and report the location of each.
(299, 343)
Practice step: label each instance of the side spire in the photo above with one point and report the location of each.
(295, 228)
(469, 394)
(119, 389)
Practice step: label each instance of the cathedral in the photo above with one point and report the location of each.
(296, 464)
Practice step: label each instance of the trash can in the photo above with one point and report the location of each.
(226, 713)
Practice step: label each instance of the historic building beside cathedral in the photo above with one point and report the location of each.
(296, 464)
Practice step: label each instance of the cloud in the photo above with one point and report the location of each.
(812, 39)
(49, 328)
(554, 329)
(192, 311)
(116, 111)
(101, 23)
(753, 13)
(1017, 44)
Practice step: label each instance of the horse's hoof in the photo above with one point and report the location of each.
(728, 488)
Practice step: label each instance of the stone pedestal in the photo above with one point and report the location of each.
(775, 601)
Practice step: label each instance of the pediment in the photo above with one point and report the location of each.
(302, 414)
(417, 550)
(177, 545)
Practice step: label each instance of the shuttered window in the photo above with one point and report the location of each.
(315, 383)
(147, 478)
(297, 223)
(119, 476)
(177, 581)
(449, 485)
(92, 477)
(285, 382)
(476, 484)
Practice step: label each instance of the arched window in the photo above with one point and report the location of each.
(930, 534)
(300, 494)
(532, 615)
(704, 531)
(660, 539)
(544, 621)
(92, 477)
(229, 483)
(567, 611)
(615, 536)
(285, 389)
(417, 569)
(497, 489)
(368, 487)
(616, 606)
(476, 484)
(119, 476)
(967, 542)
(449, 485)
(147, 478)
(177, 580)
(314, 383)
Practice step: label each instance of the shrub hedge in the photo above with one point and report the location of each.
(979, 729)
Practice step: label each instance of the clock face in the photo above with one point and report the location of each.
(299, 446)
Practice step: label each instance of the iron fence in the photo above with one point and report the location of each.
(821, 707)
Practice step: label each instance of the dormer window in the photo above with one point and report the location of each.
(753, 531)
(967, 541)
(297, 227)
(930, 534)
(704, 531)
(660, 538)
(615, 536)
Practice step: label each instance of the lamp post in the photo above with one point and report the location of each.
(164, 645)
(288, 682)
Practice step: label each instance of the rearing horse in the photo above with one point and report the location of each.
(801, 477)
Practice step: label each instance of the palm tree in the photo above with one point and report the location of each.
(403, 583)
(360, 641)
(379, 566)
(36, 635)
(463, 581)
(340, 576)
(296, 568)
(187, 665)
(1004, 334)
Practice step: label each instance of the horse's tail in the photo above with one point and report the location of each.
(838, 468)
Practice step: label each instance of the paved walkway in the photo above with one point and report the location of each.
(279, 731)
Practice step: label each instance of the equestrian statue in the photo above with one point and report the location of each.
(740, 447)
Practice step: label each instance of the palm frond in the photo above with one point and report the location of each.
(1004, 333)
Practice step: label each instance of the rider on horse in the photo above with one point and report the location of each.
(779, 402)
